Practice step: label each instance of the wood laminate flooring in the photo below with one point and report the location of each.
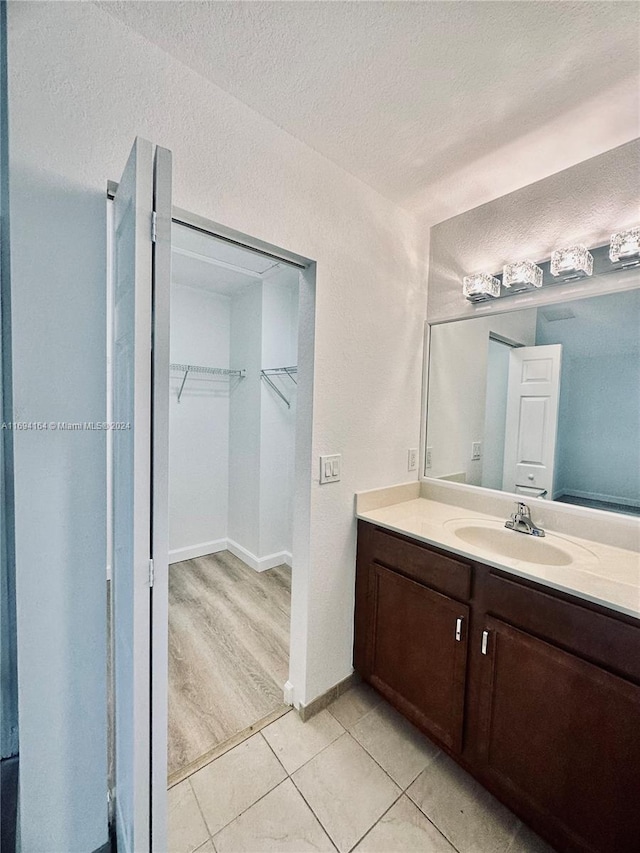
(228, 652)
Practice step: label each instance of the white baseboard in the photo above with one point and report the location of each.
(288, 693)
(201, 550)
(259, 564)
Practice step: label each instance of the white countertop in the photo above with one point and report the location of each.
(603, 574)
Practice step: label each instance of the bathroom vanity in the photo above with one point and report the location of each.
(520, 658)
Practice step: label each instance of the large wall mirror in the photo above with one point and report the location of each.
(541, 401)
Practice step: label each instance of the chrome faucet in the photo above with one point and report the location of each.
(521, 521)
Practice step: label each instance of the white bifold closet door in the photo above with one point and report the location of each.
(142, 257)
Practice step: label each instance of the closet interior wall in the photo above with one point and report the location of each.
(232, 439)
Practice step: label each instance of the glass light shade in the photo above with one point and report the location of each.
(624, 244)
(522, 274)
(572, 259)
(480, 285)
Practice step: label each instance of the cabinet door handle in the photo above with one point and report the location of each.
(485, 642)
(459, 629)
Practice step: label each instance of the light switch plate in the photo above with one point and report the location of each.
(330, 467)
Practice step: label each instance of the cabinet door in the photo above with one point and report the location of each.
(418, 652)
(563, 737)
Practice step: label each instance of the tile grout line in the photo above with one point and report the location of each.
(355, 740)
(255, 801)
(364, 716)
(431, 821)
(402, 790)
(371, 828)
(310, 807)
(203, 844)
(228, 745)
(274, 754)
(292, 780)
(195, 796)
(345, 732)
(313, 756)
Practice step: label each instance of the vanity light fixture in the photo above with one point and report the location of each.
(480, 286)
(567, 264)
(572, 259)
(624, 244)
(522, 275)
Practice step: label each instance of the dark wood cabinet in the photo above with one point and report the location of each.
(535, 693)
(418, 652)
(559, 734)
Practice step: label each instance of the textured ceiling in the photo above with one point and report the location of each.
(438, 105)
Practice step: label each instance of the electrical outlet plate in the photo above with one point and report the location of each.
(476, 451)
(427, 461)
(330, 467)
(412, 459)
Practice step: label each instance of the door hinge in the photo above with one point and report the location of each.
(151, 572)
(154, 226)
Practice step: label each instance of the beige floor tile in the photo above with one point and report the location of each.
(281, 822)
(354, 704)
(233, 782)
(396, 745)
(404, 829)
(472, 820)
(295, 742)
(346, 789)
(526, 841)
(186, 828)
(207, 847)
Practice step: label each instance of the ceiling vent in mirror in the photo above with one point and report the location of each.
(552, 315)
(522, 275)
(480, 286)
(574, 260)
(624, 244)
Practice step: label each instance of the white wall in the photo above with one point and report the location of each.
(495, 417)
(198, 424)
(232, 441)
(458, 357)
(94, 85)
(244, 426)
(598, 451)
(277, 422)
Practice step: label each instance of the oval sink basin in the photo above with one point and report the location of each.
(493, 537)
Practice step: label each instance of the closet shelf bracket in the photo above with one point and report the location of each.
(210, 371)
(279, 371)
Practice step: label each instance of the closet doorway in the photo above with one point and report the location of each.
(232, 434)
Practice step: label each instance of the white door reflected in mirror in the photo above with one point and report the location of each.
(533, 399)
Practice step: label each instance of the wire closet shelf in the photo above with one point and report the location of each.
(211, 371)
(279, 371)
